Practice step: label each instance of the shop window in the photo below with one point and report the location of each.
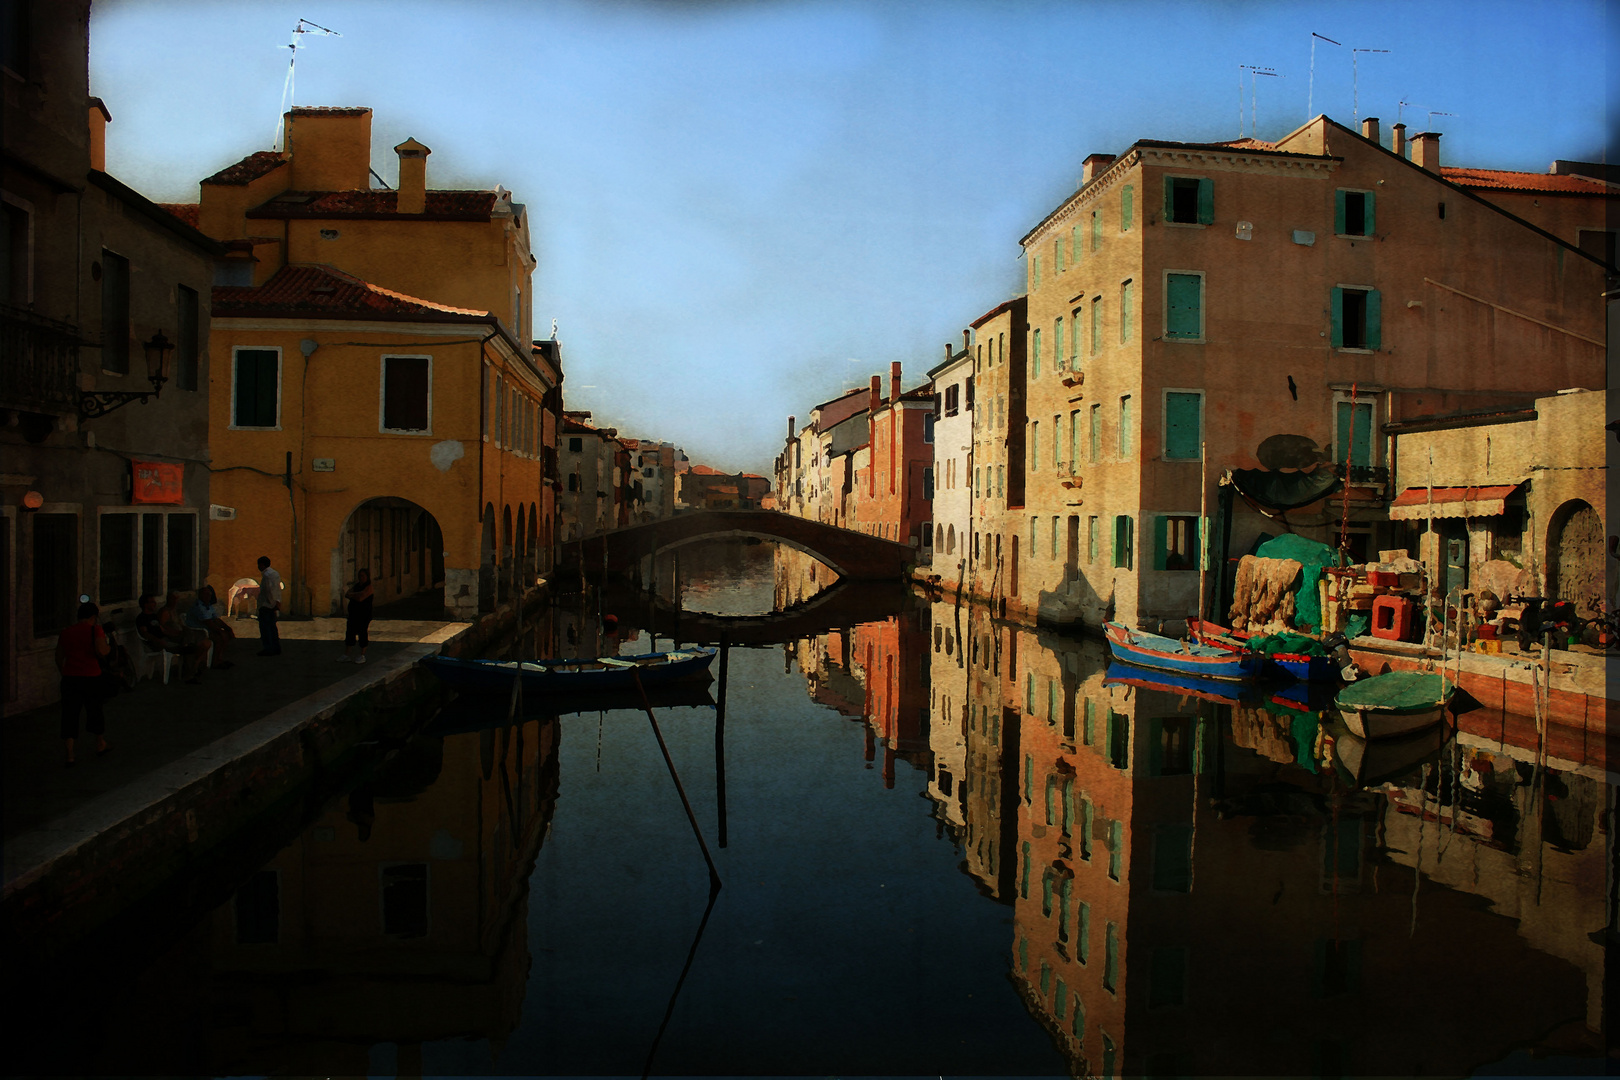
(56, 572)
(116, 582)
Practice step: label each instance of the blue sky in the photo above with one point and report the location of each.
(742, 209)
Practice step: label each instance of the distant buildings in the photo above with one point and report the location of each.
(702, 487)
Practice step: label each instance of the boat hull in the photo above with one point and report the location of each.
(1166, 654)
(1301, 666)
(1394, 704)
(569, 676)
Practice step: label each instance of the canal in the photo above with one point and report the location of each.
(948, 846)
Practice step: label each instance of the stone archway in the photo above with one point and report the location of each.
(1575, 561)
(399, 541)
(487, 562)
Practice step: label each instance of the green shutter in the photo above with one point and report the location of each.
(1184, 301)
(1367, 215)
(1356, 434)
(1096, 229)
(1076, 243)
(1172, 858)
(1181, 428)
(1169, 198)
(1082, 933)
(1035, 359)
(1206, 202)
(1057, 255)
(1023, 881)
(1035, 271)
(1337, 337)
(1374, 341)
(1125, 312)
(1338, 212)
(1161, 541)
(1127, 197)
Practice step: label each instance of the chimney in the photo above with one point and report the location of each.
(791, 421)
(1398, 139)
(1426, 150)
(412, 176)
(1369, 129)
(330, 149)
(876, 399)
(894, 382)
(967, 340)
(1093, 165)
(99, 119)
(947, 352)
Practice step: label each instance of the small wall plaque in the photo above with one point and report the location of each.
(325, 464)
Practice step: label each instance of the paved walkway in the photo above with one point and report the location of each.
(154, 725)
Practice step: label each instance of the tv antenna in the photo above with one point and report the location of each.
(1404, 104)
(1310, 94)
(1253, 71)
(1355, 86)
(304, 27)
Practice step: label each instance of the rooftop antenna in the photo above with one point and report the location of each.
(1434, 113)
(304, 27)
(1310, 94)
(1404, 103)
(1355, 86)
(1254, 128)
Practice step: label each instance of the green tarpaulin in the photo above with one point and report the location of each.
(1272, 644)
(1311, 556)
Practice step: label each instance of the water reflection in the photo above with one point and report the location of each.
(955, 846)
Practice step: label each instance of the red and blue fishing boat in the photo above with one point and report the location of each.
(1304, 666)
(1181, 657)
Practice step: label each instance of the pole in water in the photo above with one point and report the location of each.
(714, 875)
(720, 740)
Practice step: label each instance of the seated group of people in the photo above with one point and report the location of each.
(187, 634)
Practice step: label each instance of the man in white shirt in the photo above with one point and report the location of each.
(269, 606)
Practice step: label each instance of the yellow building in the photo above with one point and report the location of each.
(379, 401)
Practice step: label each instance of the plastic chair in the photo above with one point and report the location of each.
(147, 658)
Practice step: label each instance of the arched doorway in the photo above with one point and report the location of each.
(532, 566)
(1575, 563)
(486, 563)
(400, 543)
(504, 569)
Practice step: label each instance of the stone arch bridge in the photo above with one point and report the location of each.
(853, 556)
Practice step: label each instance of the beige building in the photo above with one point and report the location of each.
(1196, 310)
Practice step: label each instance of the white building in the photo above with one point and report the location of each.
(953, 462)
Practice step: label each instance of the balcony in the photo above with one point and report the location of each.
(42, 362)
(1375, 476)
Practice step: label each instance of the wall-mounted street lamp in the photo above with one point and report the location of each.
(98, 403)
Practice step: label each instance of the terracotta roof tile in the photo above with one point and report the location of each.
(1551, 183)
(321, 291)
(249, 168)
(186, 212)
(472, 205)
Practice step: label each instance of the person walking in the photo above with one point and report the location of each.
(269, 608)
(79, 650)
(359, 597)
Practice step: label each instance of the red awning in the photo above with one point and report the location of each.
(1464, 502)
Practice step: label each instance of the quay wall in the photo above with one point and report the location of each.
(213, 808)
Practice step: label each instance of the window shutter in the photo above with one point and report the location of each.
(1338, 212)
(1035, 356)
(1337, 337)
(1161, 541)
(1367, 214)
(968, 383)
(1057, 254)
(1184, 301)
(1374, 341)
(1035, 272)
(1127, 198)
(1206, 202)
(1169, 198)
(1181, 434)
(1075, 245)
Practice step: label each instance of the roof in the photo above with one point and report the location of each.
(325, 291)
(705, 470)
(840, 397)
(329, 110)
(186, 212)
(1005, 305)
(154, 213)
(249, 168)
(465, 205)
(1542, 183)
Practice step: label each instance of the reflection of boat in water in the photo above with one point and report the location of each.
(570, 676)
(477, 713)
(1222, 693)
(1395, 703)
(1181, 657)
(1367, 763)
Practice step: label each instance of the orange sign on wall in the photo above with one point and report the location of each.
(156, 482)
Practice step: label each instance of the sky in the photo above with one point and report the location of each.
(740, 210)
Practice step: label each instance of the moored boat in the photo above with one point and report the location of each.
(1395, 703)
(1182, 657)
(580, 676)
(1305, 666)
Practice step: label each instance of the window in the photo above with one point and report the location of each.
(1172, 858)
(1074, 441)
(404, 899)
(1096, 325)
(1116, 840)
(575, 446)
(928, 426)
(1096, 432)
(1057, 441)
(152, 564)
(1125, 426)
(1058, 359)
(256, 392)
(1087, 819)
(1074, 337)
(1001, 480)
(1034, 550)
(181, 532)
(1110, 978)
(1124, 540)
(1125, 311)
(1034, 272)
(1175, 542)
(1172, 746)
(1075, 237)
(1082, 933)
(928, 483)
(1353, 213)
(1183, 307)
(116, 581)
(1127, 202)
(1189, 200)
(1053, 554)
(953, 395)
(1183, 425)
(1091, 556)
(186, 350)
(1356, 319)
(16, 253)
(56, 572)
(1353, 432)
(1096, 229)
(114, 312)
(573, 481)
(407, 394)
(1035, 356)
(1057, 255)
(1034, 445)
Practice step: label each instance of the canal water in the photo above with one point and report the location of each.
(947, 846)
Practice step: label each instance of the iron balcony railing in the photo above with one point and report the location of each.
(41, 368)
(1362, 475)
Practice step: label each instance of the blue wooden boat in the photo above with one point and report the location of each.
(1306, 667)
(1182, 657)
(580, 676)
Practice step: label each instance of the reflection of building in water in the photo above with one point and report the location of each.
(798, 577)
(948, 681)
(891, 660)
(1183, 903)
(400, 916)
(989, 802)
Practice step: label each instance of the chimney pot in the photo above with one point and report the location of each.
(412, 176)
(1369, 129)
(1398, 139)
(1093, 165)
(99, 119)
(967, 340)
(1426, 150)
(894, 382)
(876, 397)
(947, 352)
(791, 421)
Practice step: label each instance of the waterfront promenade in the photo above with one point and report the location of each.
(164, 736)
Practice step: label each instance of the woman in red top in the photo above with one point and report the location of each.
(78, 657)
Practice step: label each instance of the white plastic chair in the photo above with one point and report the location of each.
(147, 658)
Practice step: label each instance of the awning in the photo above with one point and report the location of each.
(1450, 502)
(1285, 490)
